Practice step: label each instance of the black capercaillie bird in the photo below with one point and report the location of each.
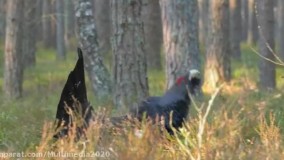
(175, 101)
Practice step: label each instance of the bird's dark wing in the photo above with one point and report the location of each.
(150, 107)
(73, 92)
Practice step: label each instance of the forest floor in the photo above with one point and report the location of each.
(243, 123)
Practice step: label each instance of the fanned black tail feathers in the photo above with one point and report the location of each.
(73, 101)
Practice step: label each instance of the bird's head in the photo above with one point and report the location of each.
(193, 81)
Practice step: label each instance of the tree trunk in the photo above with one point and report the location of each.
(266, 23)
(153, 33)
(103, 20)
(98, 73)
(2, 18)
(129, 59)
(30, 27)
(203, 21)
(217, 67)
(69, 22)
(60, 43)
(252, 24)
(38, 21)
(13, 72)
(244, 19)
(281, 23)
(235, 28)
(180, 37)
(46, 24)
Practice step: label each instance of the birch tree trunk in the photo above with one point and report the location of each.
(87, 36)
(129, 59)
(180, 37)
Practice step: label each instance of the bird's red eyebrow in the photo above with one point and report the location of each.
(180, 80)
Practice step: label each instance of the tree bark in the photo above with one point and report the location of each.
(180, 37)
(87, 35)
(252, 24)
(2, 18)
(235, 28)
(102, 15)
(244, 19)
(281, 26)
(60, 43)
(30, 27)
(129, 59)
(151, 14)
(13, 72)
(203, 21)
(69, 22)
(266, 32)
(46, 24)
(217, 67)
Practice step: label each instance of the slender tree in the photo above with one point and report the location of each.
(217, 67)
(13, 72)
(252, 24)
(151, 15)
(2, 17)
(180, 37)
(281, 27)
(235, 28)
(69, 22)
(87, 35)
(266, 41)
(46, 24)
(103, 20)
(129, 59)
(245, 15)
(60, 43)
(30, 27)
(203, 21)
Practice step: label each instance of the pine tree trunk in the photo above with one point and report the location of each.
(129, 59)
(2, 18)
(13, 72)
(46, 24)
(151, 15)
(266, 32)
(60, 43)
(69, 22)
(252, 24)
(39, 20)
(30, 27)
(86, 30)
(103, 20)
(281, 23)
(245, 15)
(203, 21)
(235, 28)
(180, 37)
(217, 67)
